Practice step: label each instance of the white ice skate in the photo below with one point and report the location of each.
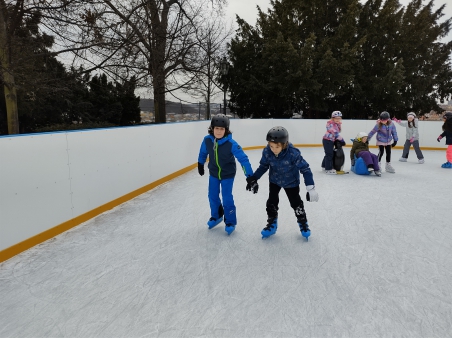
(389, 168)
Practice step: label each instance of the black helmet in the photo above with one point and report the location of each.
(385, 116)
(278, 135)
(220, 120)
(447, 115)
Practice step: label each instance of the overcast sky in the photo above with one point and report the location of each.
(247, 9)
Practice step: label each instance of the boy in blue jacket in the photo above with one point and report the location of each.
(285, 163)
(222, 151)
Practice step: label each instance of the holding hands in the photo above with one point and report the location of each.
(311, 195)
(252, 184)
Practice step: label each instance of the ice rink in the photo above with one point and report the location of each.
(378, 263)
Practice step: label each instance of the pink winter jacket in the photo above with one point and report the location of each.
(332, 131)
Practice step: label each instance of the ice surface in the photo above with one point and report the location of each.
(378, 263)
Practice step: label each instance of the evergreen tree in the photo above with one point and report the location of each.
(130, 103)
(319, 56)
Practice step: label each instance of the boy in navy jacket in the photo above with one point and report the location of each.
(222, 151)
(285, 163)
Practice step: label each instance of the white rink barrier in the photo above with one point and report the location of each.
(52, 182)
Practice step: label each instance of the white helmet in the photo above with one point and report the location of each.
(336, 113)
(360, 135)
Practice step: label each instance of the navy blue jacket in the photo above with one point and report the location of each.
(221, 157)
(448, 135)
(285, 168)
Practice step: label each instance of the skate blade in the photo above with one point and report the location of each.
(341, 172)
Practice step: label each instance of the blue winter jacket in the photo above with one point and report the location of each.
(221, 157)
(285, 168)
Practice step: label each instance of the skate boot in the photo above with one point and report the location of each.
(212, 222)
(403, 159)
(447, 165)
(389, 168)
(305, 231)
(330, 172)
(229, 228)
(270, 228)
(420, 161)
(302, 221)
(378, 173)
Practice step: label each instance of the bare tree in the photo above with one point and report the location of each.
(212, 38)
(155, 40)
(59, 20)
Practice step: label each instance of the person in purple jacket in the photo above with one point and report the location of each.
(386, 138)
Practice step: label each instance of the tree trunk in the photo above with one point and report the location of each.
(8, 80)
(159, 98)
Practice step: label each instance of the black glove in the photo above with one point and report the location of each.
(342, 142)
(353, 162)
(252, 184)
(394, 144)
(439, 138)
(200, 169)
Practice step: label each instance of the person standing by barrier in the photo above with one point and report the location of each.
(447, 133)
(386, 139)
(412, 137)
(221, 149)
(333, 129)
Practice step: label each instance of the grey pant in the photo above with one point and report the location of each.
(406, 149)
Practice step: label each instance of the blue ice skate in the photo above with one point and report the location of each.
(229, 228)
(212, 222)
(305, 231)
(271, 228)
(447, 165)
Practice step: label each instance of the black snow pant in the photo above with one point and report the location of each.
(293, 194)
(382, 151)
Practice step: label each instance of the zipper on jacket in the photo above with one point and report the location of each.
(215, 149)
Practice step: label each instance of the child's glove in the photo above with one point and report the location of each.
(252, 184)
(342, 142)
(412, 140)
(200, 169)
(396, 120)
(394, 144)
(353, 162)
(439, 138)
(311, 195)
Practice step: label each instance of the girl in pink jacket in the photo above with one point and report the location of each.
(333, 128)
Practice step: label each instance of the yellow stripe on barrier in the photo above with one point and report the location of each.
(48, 234)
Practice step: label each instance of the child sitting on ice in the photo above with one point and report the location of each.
(360, 148)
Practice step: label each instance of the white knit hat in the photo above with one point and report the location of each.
(412, 114)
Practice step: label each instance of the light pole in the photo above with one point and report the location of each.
(224, 68)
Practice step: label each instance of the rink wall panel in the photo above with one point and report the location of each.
(51, 182)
